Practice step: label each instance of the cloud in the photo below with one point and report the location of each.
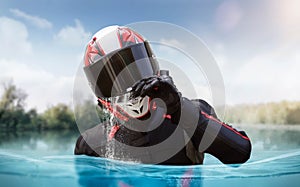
(73, 35)
(34, 20)
(269, 76)
(47, 81)
(260, 55)
(14, 39)
(43, 88)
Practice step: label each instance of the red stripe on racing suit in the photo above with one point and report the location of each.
(227, 144)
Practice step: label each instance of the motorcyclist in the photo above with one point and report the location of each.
(147, 109)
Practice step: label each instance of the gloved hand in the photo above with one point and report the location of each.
(161, 87)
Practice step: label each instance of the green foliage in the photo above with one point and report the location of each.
(12, 113)
(12, 98)
(88, 114)
(59, 117)
(268, 113)
(293, 116)
(14, 117)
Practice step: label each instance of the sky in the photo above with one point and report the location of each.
(256, 43)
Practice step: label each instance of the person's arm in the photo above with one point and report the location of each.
(212, 135)
(207, 132)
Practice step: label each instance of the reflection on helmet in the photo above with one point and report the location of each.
(114, 60)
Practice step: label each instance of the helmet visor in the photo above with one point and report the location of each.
(113, 74)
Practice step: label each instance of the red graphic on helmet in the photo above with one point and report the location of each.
(128, 37)
(93, 51)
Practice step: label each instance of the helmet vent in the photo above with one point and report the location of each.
(136, 111)
(141, 109)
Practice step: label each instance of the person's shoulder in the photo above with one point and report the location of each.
(201, 102)
(205, 107)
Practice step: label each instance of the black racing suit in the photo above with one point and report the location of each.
(227, 144)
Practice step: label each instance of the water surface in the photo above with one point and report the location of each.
(46, 159)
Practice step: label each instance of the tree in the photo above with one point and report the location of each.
(59, 117)
(12, 105)
(293, 116)
(88, 114)
(12, 97)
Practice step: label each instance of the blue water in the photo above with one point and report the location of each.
(47, 160)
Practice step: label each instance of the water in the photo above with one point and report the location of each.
(46, 159)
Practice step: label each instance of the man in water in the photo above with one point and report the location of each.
(151, 122)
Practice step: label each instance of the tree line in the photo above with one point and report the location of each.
(284, 112)
(14, 116)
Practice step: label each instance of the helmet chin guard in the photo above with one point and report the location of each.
(133, 107)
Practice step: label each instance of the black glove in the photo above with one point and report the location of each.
(161, 87)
